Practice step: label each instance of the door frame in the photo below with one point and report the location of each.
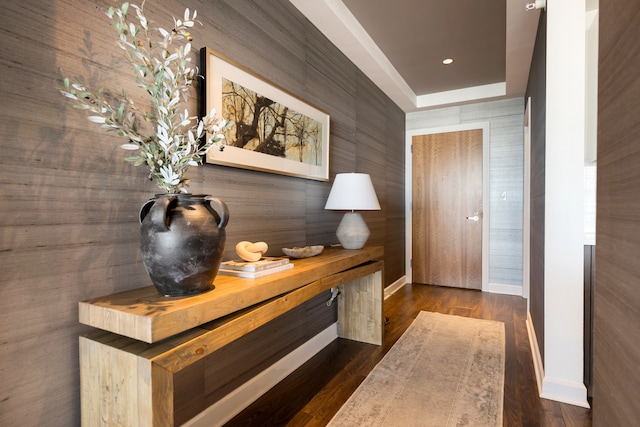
(526, 206)
(485, 126)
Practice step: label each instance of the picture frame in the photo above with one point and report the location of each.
(273, 130)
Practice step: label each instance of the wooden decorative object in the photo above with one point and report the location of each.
(306, 252)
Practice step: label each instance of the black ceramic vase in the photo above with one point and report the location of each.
(182, 240)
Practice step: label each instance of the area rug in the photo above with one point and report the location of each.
(443, 371)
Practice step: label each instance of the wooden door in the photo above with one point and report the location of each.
(447, 209)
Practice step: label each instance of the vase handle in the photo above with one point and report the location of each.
(157, 208)
(222, 209)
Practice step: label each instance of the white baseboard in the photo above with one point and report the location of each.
(538, 366)
(392, 288)
(233, 403)
(501, 288)
(565, 392)
(550, 388)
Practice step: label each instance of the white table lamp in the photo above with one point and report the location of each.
(352, 192)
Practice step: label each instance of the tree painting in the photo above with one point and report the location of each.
(265, 126)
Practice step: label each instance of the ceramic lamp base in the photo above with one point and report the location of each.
(352, 232)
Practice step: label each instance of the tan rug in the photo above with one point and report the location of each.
(443, 371)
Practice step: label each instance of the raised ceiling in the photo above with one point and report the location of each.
(400, 46)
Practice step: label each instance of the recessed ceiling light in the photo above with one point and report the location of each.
(447, 61)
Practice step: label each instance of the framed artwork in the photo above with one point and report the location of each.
(273, 130)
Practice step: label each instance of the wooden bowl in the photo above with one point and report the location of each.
(306, 252)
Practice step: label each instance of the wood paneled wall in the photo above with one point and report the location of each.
(616, 377)
(536, 90)
(69, 228)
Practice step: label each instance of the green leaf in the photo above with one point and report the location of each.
(167, 77)
(121, 109)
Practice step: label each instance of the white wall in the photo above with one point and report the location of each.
(564, 202)
(592, 31)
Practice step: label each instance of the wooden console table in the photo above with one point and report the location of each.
(127, 365)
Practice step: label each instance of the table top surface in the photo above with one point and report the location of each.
(146, 315)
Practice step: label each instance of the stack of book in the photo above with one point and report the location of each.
(252, 270)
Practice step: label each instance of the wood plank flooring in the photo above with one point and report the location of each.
(313, 394)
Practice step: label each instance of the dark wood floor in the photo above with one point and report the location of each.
(313, 394)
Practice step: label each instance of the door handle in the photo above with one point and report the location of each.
(475, 217)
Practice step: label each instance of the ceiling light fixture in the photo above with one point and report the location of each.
(447, 61)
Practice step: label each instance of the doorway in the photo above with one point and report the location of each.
(483, 212)
(447, 209)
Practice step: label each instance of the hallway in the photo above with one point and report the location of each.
(312, 394)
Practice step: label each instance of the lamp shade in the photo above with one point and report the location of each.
(353, 192)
